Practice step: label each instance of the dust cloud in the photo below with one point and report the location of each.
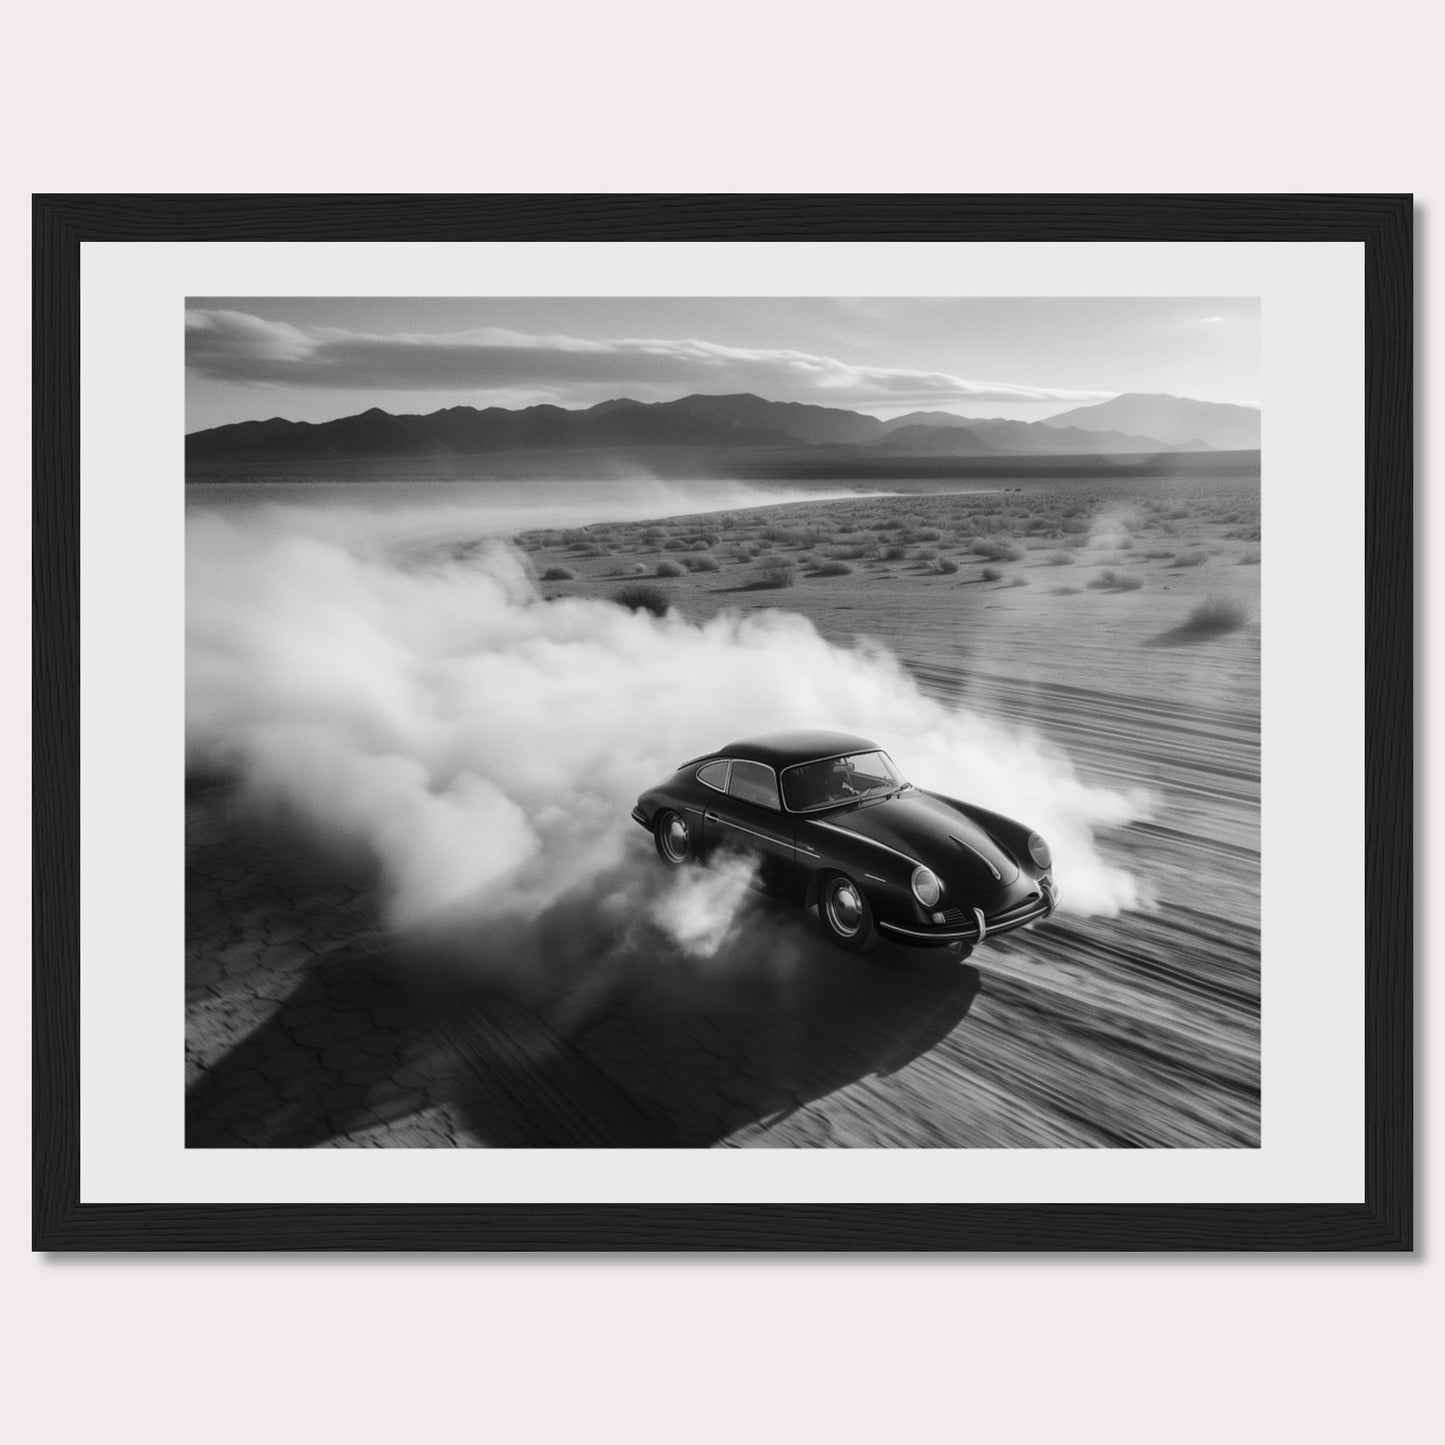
(482, 748)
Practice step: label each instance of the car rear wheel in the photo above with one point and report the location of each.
(846, 917)
(673, 838)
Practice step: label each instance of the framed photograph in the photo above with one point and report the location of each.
(722, 723)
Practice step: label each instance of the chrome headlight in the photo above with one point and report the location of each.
(926, 887)
(1039, 851)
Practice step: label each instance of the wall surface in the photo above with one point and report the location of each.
(637, 97)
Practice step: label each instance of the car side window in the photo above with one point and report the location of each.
(715, 775)
(754, 783)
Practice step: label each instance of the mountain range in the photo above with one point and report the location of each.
(1173, 419)
(1130, 423)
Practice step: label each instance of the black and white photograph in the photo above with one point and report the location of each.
(682, 722)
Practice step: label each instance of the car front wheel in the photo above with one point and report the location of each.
(674, 840)
(846, 917)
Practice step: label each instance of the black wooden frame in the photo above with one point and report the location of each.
(61, 224)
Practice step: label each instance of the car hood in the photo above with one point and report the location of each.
(930, 831)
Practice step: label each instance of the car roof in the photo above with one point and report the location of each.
(781, 750)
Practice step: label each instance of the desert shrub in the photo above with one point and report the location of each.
(1062, 559)
(1075, 526)
(847, 554)
(705, 562)
(558, 574)
(923, 534)
(945, 566)
(998, 551)
(1159, 554)
(674, 544)
(1017, 581)
(1215, 616)
(1250, 561)
(893, 552)
(847, 526)
(776, 573)
(1112, 581)
(832, 569)
(641, 597)
(1192, 558)
(925, 554)
(992, 574)
(667, 569)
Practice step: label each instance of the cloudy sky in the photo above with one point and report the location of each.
(314, 358)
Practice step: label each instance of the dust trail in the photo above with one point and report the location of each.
(391, 513)
(483, 748)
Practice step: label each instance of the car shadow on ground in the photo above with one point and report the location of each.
(573, 1033)
(569, 1036)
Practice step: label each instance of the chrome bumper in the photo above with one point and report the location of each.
(1040, 906)
(638, 816)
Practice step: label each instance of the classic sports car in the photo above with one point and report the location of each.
(833, 826)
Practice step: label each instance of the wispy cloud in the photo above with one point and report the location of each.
(236, 347)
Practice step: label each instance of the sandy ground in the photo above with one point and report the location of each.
(1118, 619)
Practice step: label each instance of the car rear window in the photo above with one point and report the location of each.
(715, 775)
(754, 783)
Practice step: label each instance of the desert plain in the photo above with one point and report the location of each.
(1114, 618)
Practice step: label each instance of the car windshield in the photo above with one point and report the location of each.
(831, 782)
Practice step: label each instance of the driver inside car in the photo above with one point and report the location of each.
(840, 779)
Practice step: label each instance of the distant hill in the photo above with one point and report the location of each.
(998, 434)
(927, 418)
(1173, 419)
(798, 420)
(715, 422)
(934, 437)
